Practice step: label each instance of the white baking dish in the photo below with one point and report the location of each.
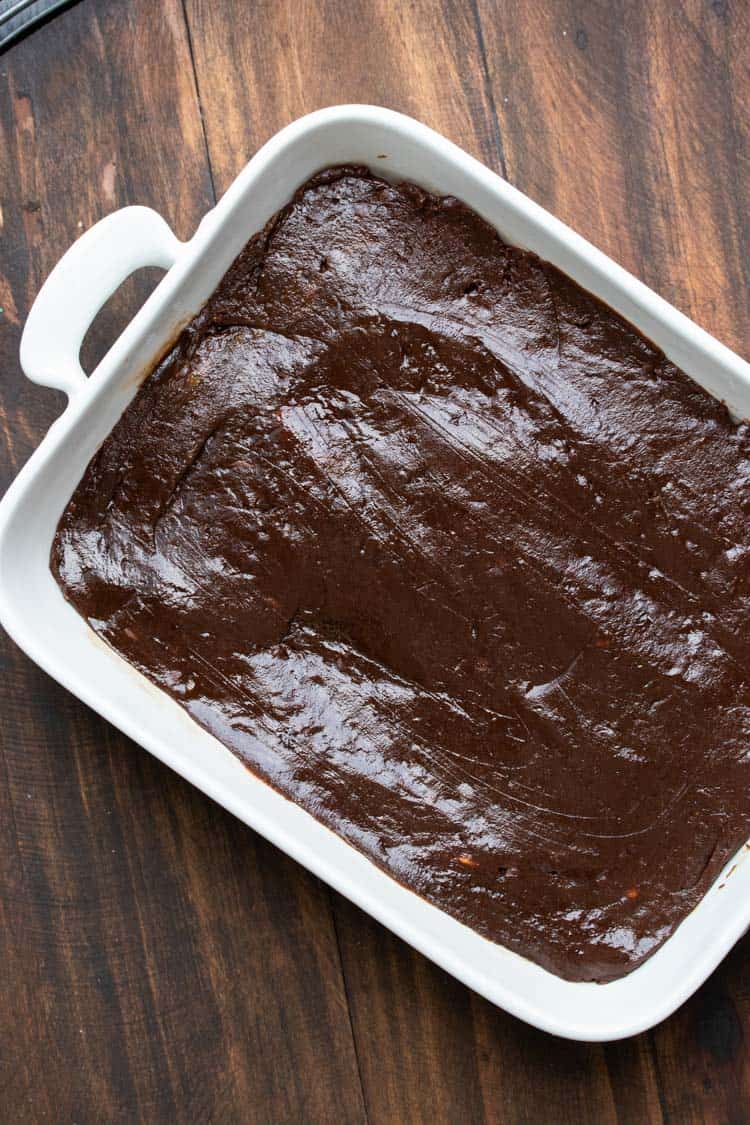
(35, 614)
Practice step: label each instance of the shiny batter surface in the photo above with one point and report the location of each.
(451, 556)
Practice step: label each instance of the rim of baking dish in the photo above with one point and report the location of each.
(576, 1010)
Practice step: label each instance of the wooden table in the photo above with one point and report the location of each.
(158, 960)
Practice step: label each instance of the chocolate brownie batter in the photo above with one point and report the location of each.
(449, 554)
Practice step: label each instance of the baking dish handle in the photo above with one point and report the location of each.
(81, 282)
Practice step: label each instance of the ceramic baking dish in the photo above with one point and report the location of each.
(35, 614)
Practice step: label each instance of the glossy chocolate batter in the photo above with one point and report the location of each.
(449, 554)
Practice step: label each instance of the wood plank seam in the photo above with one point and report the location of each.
(488, 90)
(355, 1047)
(350, 1017)
(196, 83)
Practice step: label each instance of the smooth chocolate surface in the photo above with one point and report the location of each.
(450, 555)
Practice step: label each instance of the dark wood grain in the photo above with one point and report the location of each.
(158, 961)
(260, 65)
